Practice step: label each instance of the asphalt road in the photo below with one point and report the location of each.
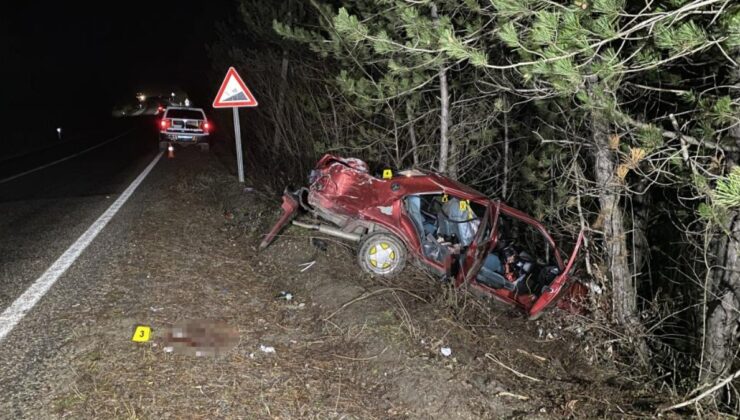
(42, 213)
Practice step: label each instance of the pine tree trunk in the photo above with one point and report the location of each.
(640, 216)
(412, 135)
(624, 299)
(723, 311)
(624, 291)
(278, 113)
(505, 187)
(723, 307)
(453, 165)
(444, 96)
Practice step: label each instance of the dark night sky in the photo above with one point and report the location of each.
(77, 59)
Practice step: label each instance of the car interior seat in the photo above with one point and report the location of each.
(457, 222)
(425, 229)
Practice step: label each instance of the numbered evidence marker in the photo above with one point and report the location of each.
(387, 174)
(142, 333)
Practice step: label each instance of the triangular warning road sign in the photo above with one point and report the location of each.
(234, 92)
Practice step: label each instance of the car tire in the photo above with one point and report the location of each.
(163, 146)
(382, 254)
(204, 147)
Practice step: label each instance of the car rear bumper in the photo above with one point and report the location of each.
(182, 137)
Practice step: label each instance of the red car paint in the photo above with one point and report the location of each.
(344, 193)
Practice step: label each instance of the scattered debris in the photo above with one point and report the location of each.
(248, 189)
(571, 405)
(285, 296)
(594, 288)
(267, 349)
(446, 351)
(153, 309)
(546, 335)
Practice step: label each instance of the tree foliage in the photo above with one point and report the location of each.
(619, 117)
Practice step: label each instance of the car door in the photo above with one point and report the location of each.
(554, 291)
(478, 250)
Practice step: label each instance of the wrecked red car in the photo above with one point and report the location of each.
(442, 225)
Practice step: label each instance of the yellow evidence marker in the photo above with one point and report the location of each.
(142, 334)
(387, 174)
(464, 205)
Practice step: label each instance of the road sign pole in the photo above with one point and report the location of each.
(238, 139)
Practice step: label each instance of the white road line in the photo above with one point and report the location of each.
(30, 171)
(15, 312)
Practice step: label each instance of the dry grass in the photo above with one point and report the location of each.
(347, 345)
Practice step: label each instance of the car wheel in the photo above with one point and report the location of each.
(382, 254)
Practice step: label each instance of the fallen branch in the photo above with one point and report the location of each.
(360, 359)
(509, 394)
(517, 373)
(532, 355)
(373, 293)
(696, 399)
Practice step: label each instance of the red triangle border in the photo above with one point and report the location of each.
(250, 102)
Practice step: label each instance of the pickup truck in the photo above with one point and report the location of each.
(184, 126)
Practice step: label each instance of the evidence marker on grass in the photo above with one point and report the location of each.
(142, 334)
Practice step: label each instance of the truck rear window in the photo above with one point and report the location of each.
(188, 114)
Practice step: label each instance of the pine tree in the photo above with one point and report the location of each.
(601, 59)
(394, 72)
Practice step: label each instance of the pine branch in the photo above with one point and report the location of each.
(675, 136)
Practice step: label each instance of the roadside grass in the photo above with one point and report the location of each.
(346, 345)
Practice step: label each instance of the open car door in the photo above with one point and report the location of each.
(478, 250)
(550, 294)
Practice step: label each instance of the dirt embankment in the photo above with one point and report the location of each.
(345, 345)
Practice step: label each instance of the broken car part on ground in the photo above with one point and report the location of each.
(446, 227)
